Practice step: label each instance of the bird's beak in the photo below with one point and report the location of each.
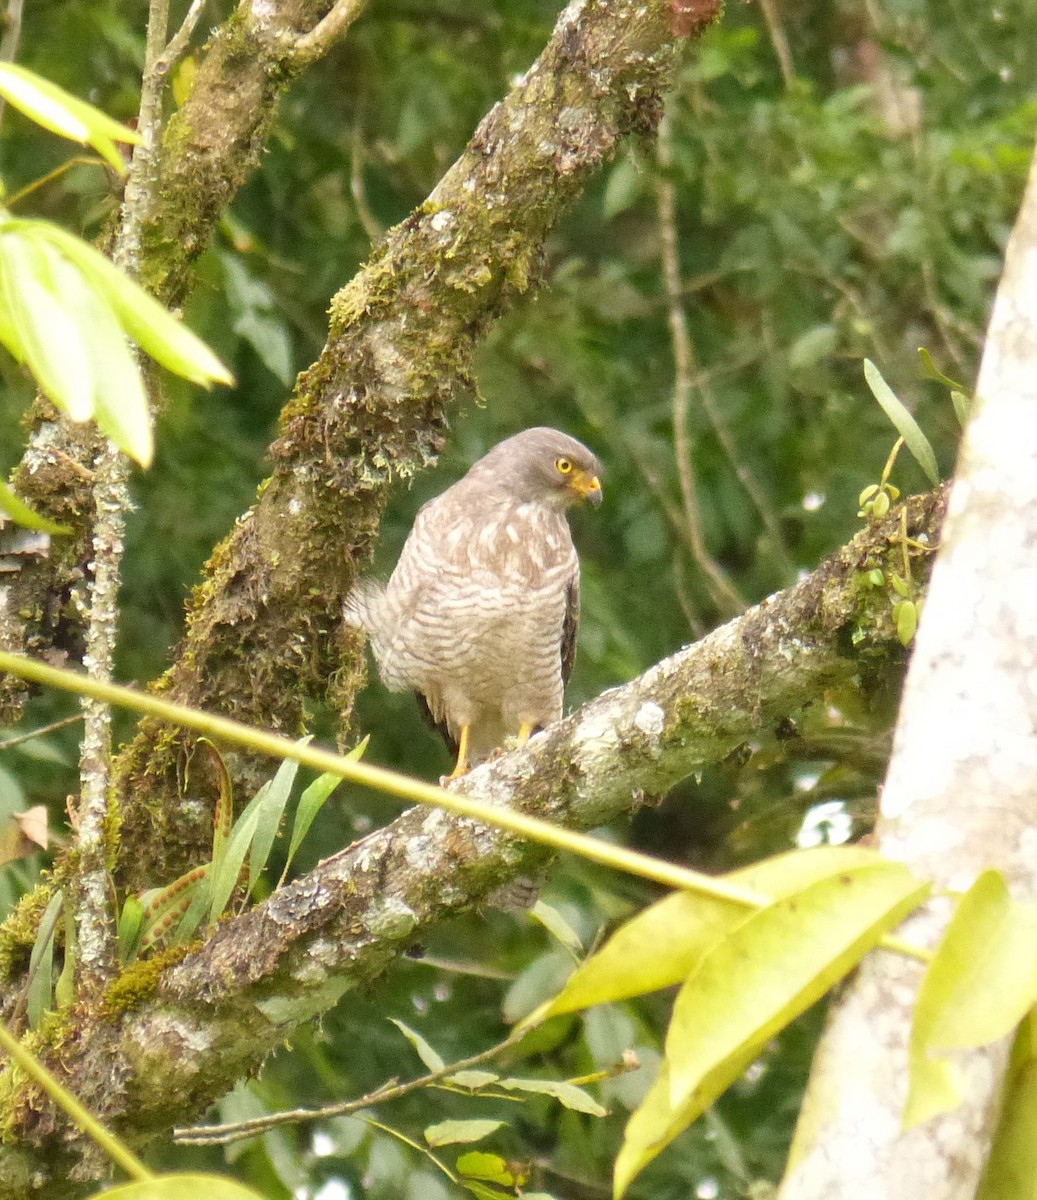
(587, 487)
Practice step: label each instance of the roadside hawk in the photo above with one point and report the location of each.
(479, 617)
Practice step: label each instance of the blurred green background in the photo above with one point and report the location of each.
(844, 184)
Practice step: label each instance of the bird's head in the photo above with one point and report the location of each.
(544, 466)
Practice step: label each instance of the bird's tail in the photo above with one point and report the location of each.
(361, 605)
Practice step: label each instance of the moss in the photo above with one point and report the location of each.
(140, 980)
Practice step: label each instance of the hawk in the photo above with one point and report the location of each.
(479, 617)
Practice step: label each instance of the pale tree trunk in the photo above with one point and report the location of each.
(961, 793)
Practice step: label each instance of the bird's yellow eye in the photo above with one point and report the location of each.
(564, 466)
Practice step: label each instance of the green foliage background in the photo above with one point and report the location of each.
(812, 232)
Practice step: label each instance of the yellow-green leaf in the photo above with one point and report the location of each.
(659, 946)
(48, 336)
(777, 963)
(120, 402)
(477, 1164)
(558, 927)
(428, 1055)
(452, 1133)
(565, 1093)
(980, 984)
(1011, 1171)
(55, 109)
(156, 331)
(656, 1121)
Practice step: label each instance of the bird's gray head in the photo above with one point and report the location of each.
(541, 465)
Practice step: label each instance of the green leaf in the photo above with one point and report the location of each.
(431, 1058)
(165, 906)
(557, 926)
(41, 962)
(55, 109)
(65, 988)
(156, 331)
(903, 422)
(962, 407)
(625, 184)
(313, 800)
(567, 1094)
(659, 947)
(817, 343)
(491, 1168)
(451, 1133)
(980, 984)
(773, 966)
(907, 621)
(181, 1187)
(934, 372)
(22, 514)
(483, 1191)
(269, 814)
(49, 339)
(253, 833)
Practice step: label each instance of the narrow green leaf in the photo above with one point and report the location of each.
(431, 1058)
(567, 1094)
(313, 800)
(903, 422)
(776, 964)
(452, 1133)
(934, 372)
(49, 336)
(55, 109)
(156, 331)
(41, 962)
(980, 984)
(65, 988)
(659, 947)
(182, 1187)
(268, 817)
(168, 906)
(557, 926)
(22, 514)
(129, 929)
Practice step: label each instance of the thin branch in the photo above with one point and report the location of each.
(233, 1131)
(327, 31)
(725, 595)
(95, 926)
(43, 730)
(179, 41)
(12, 36)
(779, 40)
(356, 187)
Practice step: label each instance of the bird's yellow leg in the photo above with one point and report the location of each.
(525, 732)
(461, 766)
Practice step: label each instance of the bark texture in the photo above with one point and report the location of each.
(960, 791)
(169, 1040)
